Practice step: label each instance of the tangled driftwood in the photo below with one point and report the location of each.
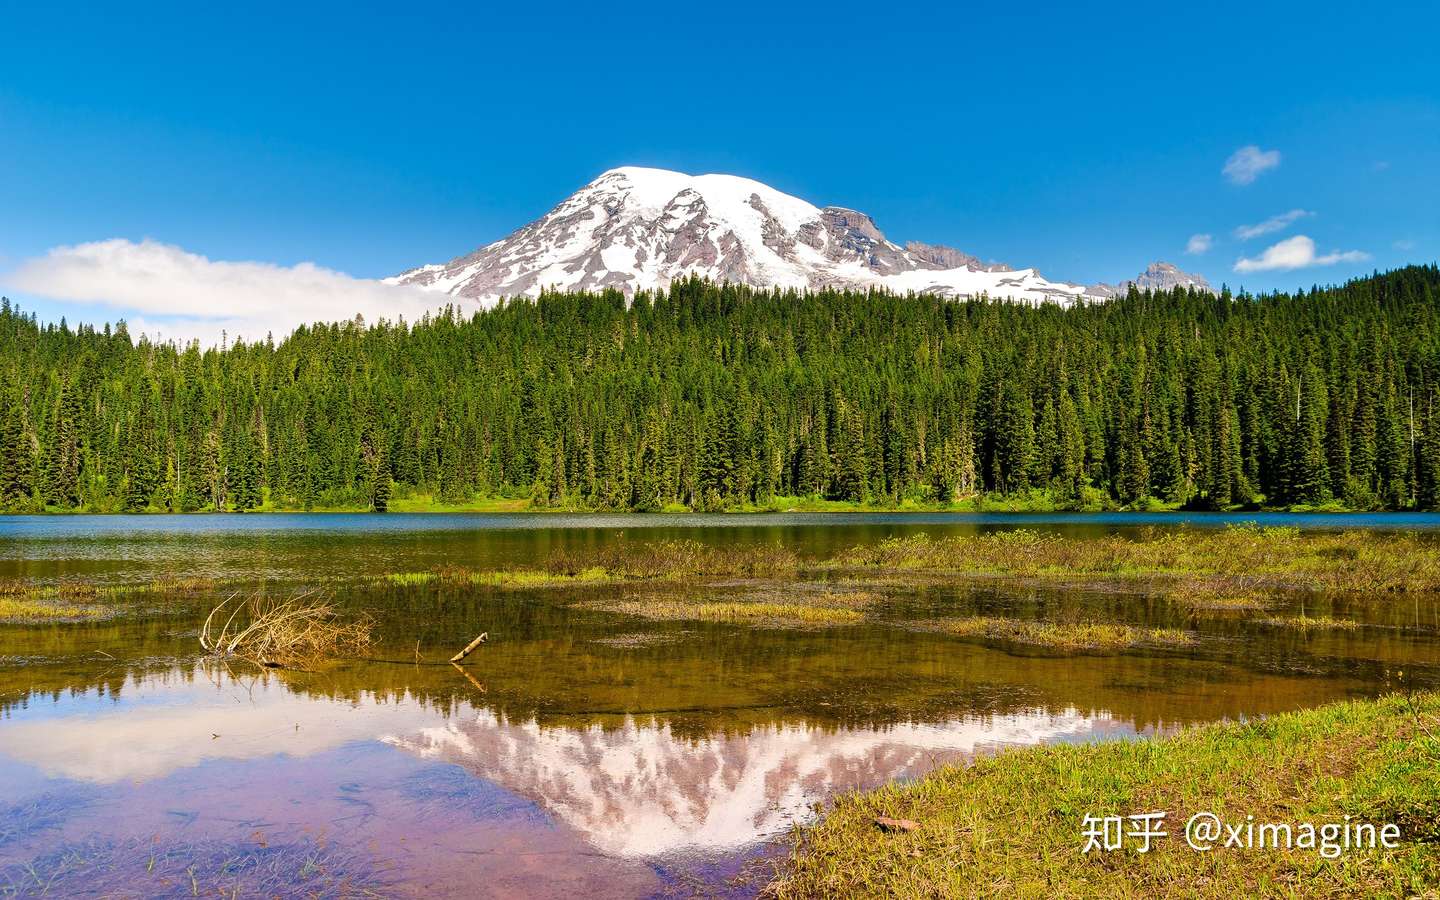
(279, 633)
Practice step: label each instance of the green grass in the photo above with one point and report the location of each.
(1063, 635)
(1011, 824)
(409, 579)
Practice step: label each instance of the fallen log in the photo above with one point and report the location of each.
(484, 635)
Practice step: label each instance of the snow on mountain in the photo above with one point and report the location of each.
(640, 229)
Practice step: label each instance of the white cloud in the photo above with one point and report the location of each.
(1297, 252)
(1274, 223)
(1404, 244)
(1199, 243)
(1246, 164)
(163, 290)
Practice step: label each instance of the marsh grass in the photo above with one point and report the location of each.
(1236, 562)
(31, 602)
(1238, 568)
(647, 561)
(1309, 623)
(1220, 594)
(22, 601)
(1011, 824)
(528, 578)
(516, 579)
(21, 609)
(298, 631)
(409, 579)
(798, 607)
(679, 559)
(784, 614)
(1072, 636)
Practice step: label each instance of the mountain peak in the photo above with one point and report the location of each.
(1158, 276)
(635, 228)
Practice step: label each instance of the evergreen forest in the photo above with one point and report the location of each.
(713, 397)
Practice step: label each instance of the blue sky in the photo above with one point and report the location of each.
(1083, 141)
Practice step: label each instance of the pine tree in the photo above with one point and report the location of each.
(1015, 440)
(380, 497)
(142, 475)
(1427, 488)
(15, 462)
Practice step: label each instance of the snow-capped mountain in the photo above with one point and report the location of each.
(637, 229)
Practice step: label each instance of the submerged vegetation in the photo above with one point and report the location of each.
(1013, 824)
(710, 397)
(153, 868)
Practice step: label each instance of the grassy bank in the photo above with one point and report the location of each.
(1011, 824)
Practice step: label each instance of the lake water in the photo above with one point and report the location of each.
(579, 751)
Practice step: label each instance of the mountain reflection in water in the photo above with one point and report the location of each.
(636, 789)
(640, 790)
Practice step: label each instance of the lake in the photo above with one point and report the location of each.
(580, 750)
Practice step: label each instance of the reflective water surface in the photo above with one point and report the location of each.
(578, 751)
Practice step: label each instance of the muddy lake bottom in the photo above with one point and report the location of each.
(581, 751)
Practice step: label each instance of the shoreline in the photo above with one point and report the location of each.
(1000, 823)
(508, 508)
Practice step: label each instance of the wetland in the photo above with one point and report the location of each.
(662, 701)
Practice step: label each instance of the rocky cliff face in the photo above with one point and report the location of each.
(1158, 276)
(942, 257)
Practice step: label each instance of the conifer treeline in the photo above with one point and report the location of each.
(720, 396)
